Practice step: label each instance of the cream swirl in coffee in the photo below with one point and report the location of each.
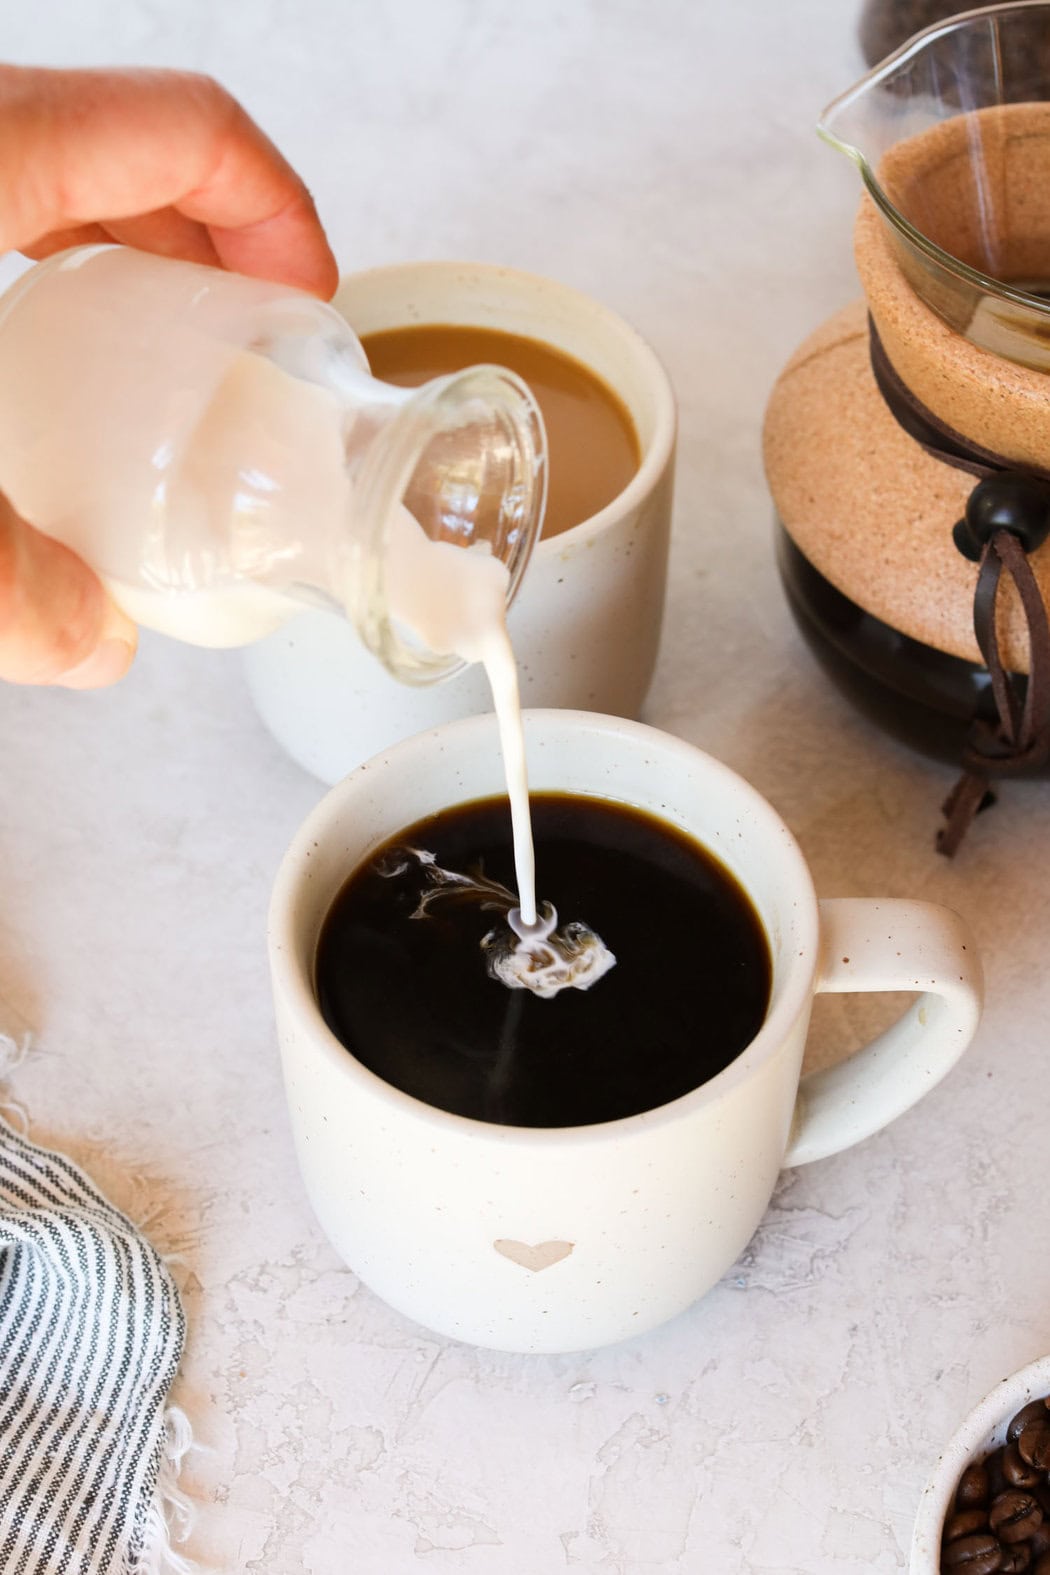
(542, 957)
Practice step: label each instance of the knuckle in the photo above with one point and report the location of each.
(209, 94)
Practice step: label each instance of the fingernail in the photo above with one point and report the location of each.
(107, 662)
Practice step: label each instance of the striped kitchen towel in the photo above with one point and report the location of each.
(91, 1332)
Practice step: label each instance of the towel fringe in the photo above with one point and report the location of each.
(13, 1051)
(171, 1513)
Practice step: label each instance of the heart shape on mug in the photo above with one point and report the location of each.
(533, 1256)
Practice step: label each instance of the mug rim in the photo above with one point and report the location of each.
(298, 988)
(656, 456)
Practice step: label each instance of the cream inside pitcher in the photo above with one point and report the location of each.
(217, 449)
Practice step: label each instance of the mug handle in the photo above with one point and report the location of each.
(888, 945)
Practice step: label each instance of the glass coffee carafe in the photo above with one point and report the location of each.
(951, 135)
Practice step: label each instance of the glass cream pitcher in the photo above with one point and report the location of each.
(218, 450)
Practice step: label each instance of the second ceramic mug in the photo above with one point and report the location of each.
(556, 1239)
(586, 622)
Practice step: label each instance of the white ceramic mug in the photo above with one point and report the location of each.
(586, 622)
(558, 1239)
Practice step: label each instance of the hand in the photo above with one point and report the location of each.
(57, 625)
(168, 162)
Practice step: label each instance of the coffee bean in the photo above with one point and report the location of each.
(964, 1522)
(1039, 1541)
(1017, 1470)
(997, 1482)
(1033, 1441)
(1000, 1520)
(973, 1486)
(1034, 1411)
(976, 1555)
(1014, 1515)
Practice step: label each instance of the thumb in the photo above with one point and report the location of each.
(57, 625)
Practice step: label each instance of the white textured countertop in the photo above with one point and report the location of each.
(660, 156)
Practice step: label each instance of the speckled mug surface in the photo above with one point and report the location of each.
(587, 619)
(560, 1239)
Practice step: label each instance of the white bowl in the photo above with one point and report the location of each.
(982, 1431)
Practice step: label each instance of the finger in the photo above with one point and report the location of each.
(79, 147)
(169, 234)
(57, 625)
(62, 240)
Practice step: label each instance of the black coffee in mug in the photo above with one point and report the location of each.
(408, 993)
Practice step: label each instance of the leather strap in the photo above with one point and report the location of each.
(1018, 741)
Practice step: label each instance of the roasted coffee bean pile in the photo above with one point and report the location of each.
(1000, 1521)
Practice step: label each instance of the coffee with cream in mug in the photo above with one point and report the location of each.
(585, 624)
(592, 446)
